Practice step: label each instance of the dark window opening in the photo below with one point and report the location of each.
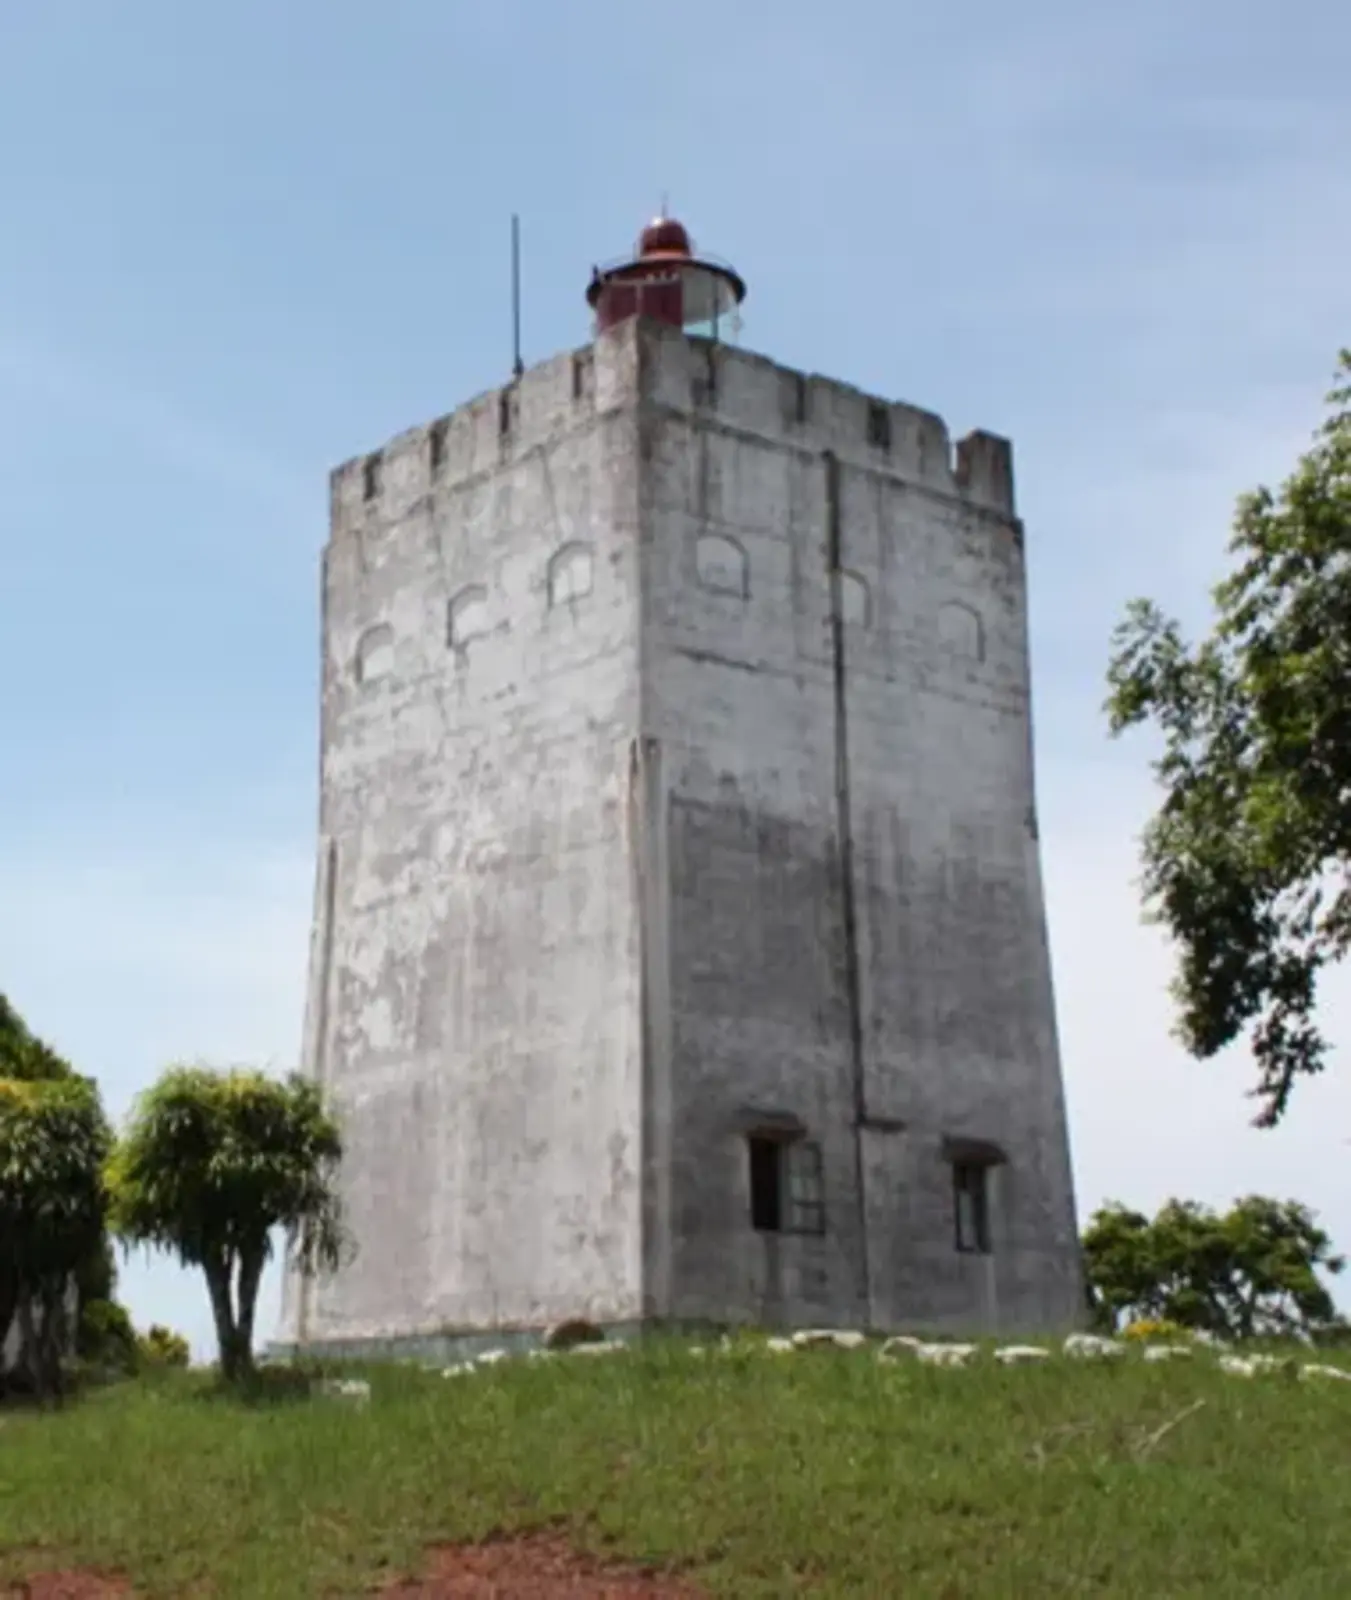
(436, 441)
(800, 397)
(370, 477)
(786, 1182)
(504, 412)
(879, 427)
(971, 1199)
(766, 1195)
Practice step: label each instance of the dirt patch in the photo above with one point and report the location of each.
(539, 1564)
(76, 1583)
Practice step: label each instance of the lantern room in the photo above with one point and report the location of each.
(665, 280)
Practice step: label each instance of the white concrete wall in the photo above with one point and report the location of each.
(474, 1007)
(739, 694)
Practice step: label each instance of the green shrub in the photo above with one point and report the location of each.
(1335, 1335)
(1146, 1328)
(105, 1340)
(162, 1347)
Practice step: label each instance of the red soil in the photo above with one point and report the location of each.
(536, 1565)
(73, 1584)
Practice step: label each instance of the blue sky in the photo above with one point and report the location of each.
(243, 243)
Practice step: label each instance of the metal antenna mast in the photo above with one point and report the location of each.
(517, 365)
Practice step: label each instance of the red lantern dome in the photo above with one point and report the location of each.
(665, 280)
(664, 236)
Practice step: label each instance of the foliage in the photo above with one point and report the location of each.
(96, 1276)
(828, 1474)
(23, 1056)
(26, 1059)
(211, 1164)
(1145, 1330)
(108, 1346)
(105, 1339)
(1253, 1271)
(1247, 862)
(53, 1143)
(162, 1347)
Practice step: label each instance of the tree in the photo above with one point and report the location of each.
(1247, 862)
(23, 1055)
(28, 1120)
(53, 1144)
(1121, 1278)
(211, 1165)
(1252, 1271)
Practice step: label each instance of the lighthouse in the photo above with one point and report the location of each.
(679, 950)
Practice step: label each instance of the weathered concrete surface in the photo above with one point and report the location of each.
(652, 826)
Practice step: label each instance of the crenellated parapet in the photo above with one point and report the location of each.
(648, 363)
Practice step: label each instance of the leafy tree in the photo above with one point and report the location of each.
(23, 1055)
(1121, 1278)
(1251, 1271)
(25, 1058)
(1247, 862)
(211, 1165)
(53, 1144)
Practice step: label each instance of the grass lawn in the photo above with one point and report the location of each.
(821, 1472)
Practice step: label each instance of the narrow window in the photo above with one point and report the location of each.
(879, 427)
(799, 397)
(436, 443)
(971, 1197)
(370, 477)
(504, 413)
(787, 1190)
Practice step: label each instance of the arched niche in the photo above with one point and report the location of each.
(570, 573)
(856, 601)
(375, 654)
(720, 565)
(960, 632)
(467, 616)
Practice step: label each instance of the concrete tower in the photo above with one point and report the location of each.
(679, 947)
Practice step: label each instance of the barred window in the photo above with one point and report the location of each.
(971, 1200)
(806, 1188)
(786, 1185)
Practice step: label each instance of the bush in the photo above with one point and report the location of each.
(105, 1340)
(1147, 1328)
(1335, 1335)
(162, 1347)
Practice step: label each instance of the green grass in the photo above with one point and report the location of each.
(822, 1472)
